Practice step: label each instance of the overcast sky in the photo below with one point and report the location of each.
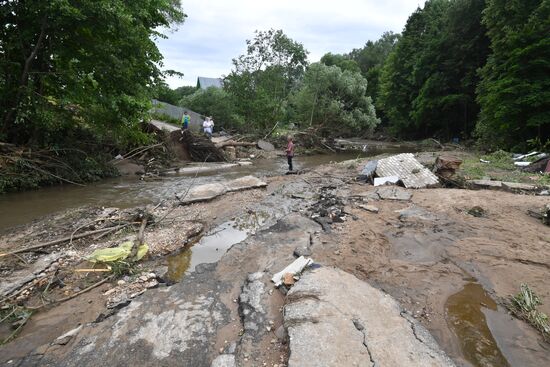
(215, 30)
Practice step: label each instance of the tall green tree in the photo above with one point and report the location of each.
(217, 103)
(344, 62)
(429, 81)
(335, 101)
(262, 79)
(398, 87)
(90, 63)
(371, 59)
(515, 89)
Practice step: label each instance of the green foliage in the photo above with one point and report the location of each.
(217, 103)
(262, 79)
(88, 63)
(165, 94)
(428, 84)
(515, 89)
(342, 61)
(525, 306)
(371, 59)
(335, 100)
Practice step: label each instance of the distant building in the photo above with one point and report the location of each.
(205, 83)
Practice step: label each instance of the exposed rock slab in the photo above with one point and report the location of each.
(335, 319)
(245, 183)
(408, 169)
(210, 191)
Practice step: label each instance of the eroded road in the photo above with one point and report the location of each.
(417, 253)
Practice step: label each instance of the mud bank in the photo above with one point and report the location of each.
(450, 272)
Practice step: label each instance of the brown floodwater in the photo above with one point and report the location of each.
(466, 317)
(125, 192)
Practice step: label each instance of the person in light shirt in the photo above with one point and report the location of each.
(208, 126)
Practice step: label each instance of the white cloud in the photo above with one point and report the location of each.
(215, 30)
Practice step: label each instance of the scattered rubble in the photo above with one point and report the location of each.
(125, 291)
(543, 214)
(328, 209)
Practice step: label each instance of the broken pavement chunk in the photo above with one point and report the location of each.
(244, 183)
(213, 190)
(295, 268)
(393, 193)
(368, 171)
(369, 208)
(408, 169)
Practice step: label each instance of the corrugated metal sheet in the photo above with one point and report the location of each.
(408, 169)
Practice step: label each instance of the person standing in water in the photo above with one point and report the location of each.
(290, 153)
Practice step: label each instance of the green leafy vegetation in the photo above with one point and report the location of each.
(330, 97)
(524, 305)
(262, 79)
(76, 75)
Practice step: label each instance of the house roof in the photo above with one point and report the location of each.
(205, 83)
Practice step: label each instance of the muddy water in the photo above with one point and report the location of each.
(466, 317)
(124, 192)
(214, 245)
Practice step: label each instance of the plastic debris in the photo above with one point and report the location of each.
(119, 253)
(295, 268)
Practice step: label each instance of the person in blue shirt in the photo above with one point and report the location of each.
(185, 120)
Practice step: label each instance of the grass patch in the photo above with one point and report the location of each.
(524, 306)
(500, 167)
(166, 118)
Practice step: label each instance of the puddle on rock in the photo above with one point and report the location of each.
(214, 245)
(465, 312)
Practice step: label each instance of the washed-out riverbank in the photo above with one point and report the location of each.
(449, 270)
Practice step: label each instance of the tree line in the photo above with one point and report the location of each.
(466, 69)
(77, 70)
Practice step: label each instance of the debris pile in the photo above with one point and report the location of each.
(199, 147)
(533, 162)
(543, 214)
(328, 209)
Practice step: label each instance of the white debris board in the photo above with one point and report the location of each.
(408, 169)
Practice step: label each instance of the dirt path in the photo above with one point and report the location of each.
(451, 271)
